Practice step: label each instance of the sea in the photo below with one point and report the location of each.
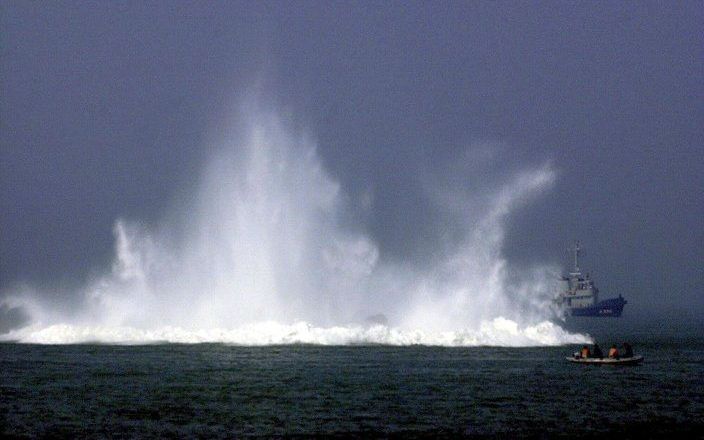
(364, 391)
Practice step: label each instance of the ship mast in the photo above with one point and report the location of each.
(577, 248)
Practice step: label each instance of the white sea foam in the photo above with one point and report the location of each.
(499, 332)
(261, 257)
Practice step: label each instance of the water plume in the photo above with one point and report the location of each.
(261, 257)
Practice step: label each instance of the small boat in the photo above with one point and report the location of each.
(634, 360)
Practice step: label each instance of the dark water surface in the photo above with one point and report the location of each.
(213, 390)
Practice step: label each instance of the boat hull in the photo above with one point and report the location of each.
(635, 360)
(609, 308)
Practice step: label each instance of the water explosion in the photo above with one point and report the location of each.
(261, 257)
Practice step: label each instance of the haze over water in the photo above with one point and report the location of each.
(418, 167)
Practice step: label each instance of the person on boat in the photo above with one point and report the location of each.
(627, 350)
(585, 352)
(613, 352)
(597, 352)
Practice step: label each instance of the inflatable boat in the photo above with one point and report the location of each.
(635, 360)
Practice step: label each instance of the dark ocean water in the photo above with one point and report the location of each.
(213, 390)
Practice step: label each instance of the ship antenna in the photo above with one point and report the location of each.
(577, 248)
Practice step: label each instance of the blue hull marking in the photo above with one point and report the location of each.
(612, 307)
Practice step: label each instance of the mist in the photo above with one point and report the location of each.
(264, 253)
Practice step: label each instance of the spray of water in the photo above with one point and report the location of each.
(262, 258)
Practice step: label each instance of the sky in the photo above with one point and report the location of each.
(108, 109)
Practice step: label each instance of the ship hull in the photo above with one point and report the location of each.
(609, 308)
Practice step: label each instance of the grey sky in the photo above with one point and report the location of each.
(106, 109)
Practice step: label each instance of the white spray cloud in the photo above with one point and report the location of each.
(264, 260)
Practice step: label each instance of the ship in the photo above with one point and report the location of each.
(579, 296)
